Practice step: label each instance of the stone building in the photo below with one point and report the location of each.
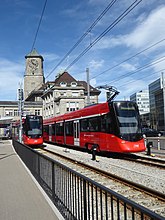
(9, 112)
(47, 99)
(60, 96)
(34, 76)
(10, 109)
(66, 94)
(33, 80)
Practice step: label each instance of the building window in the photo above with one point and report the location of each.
(8, 112)
(63, 93)
(63, 84)
(16, 113)
(72, 106)
(73, 84)
(75, 94)
(37, 112)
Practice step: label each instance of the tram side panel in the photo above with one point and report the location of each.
(113, 127)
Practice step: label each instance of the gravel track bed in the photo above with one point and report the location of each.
(151, 177)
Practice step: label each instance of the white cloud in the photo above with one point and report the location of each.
(94, 65)
(93, 82)
(148, 31)
(129, 87)
(102, 96)
(98, 2)
(159, 62)
(49, 57)
(109, 42)
(128, 67)
(11, 75)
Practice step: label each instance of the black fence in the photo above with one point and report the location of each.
(76, 196)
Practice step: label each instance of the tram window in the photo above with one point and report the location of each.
(69, 128)
(46, 129)
(94, 124)
(50, 130)
(84, 125)
(59, 129)
(106, 125)
(53, 129)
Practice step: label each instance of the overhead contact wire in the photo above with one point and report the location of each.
(129, 9)
(140, 52)
(84, 35)
(35, 38)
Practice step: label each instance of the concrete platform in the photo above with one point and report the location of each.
(160, 154)
(20, 196)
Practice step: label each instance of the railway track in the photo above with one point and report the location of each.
(151, 199)
(148, 161)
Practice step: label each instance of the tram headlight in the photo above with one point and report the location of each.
(144, 136)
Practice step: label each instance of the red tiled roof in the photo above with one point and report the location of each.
(65, 77)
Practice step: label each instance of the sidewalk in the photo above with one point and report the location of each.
(20, 198)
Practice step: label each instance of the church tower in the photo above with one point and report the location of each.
(34, 76)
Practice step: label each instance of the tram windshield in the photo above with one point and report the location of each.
(34, 125)
(128, 120)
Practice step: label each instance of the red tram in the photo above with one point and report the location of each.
(32, 130)
(111, 126)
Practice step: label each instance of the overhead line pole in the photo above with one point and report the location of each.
(163, 85)
(20, 107)
(88, 87)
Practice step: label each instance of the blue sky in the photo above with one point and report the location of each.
(64, 22)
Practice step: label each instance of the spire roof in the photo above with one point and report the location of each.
(34, 53)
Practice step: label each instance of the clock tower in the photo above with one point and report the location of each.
(34, 76)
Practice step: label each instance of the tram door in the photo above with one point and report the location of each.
(76, 125)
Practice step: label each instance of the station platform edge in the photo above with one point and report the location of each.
(21, 197)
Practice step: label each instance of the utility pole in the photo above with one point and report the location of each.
(163, 86)
(20, 107)
(88, 87)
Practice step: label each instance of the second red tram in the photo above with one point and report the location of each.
(32, 130)
(111, 126)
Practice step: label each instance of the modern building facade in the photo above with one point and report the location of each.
(156, 98)
(156, 95)
(142, 100)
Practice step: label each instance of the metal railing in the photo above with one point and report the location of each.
(76, 196)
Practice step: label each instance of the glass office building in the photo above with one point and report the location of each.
(142, 100)
(156, 104)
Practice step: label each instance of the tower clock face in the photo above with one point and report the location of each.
(33, 64)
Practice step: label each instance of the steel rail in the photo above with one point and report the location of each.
(142, 188)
